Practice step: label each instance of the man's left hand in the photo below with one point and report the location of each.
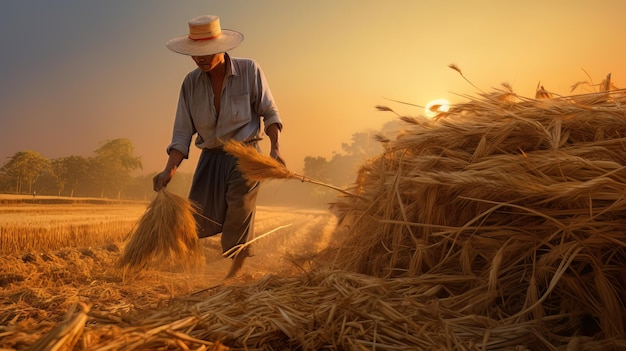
(275, 154)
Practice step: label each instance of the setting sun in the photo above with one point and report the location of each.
(435, 107)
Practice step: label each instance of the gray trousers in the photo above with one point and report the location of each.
(226, 202)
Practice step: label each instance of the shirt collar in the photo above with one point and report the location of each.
(231, 70)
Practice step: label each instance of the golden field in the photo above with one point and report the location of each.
(31, 226)
(54, 256)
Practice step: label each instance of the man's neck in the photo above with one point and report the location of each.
(220, 69)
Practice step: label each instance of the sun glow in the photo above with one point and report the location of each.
(435, 107)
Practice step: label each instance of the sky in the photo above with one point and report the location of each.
(76, 73)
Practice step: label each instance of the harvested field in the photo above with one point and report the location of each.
(52, 225)
(41, 285)
(499, 225)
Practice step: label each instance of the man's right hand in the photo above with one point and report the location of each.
(160, 180)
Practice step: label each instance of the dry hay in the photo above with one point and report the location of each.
(498, 226)
(257, 167)
(166, 233)
(325, 309)
(525, 199)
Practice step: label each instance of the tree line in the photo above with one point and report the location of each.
(109, 173)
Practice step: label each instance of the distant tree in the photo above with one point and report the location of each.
(3, 176)
(5, 182)
(344, 166)
(140, 187)
(316, 167)
(58, 169)
(69, 172)
(26, 166)
(362, 145)
(341, 169)
(113, 164)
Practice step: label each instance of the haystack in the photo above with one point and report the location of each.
(165, 234)
(518, 205)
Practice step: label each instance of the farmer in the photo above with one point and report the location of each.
(223, 99)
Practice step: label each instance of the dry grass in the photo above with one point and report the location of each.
(255, 166)
(45, 227)
(327, 309)
(166, 233)
(258, 167)
(523, 199)
(65, 335)
(38, 289)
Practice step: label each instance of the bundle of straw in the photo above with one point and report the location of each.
(524, 196)
(165, 233)
(257, 167)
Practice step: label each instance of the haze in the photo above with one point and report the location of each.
(76, 73)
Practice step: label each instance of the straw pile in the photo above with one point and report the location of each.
(524, 200)
(324, 310)
(166, 233)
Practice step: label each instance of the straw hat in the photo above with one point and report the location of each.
(205, 37)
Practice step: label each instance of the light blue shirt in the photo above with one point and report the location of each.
(246, 98)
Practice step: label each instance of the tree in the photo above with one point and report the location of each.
(70, 171)
(316, 168)
(113, 164)
(26, 166)
(362, 145)
(341, 169)
(6, 183)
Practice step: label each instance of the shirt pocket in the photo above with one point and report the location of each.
(241, 111)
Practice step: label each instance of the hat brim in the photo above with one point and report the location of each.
(228, 40)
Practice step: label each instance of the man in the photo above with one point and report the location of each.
(223, 99)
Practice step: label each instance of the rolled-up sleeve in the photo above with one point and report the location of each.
(183, 124)
(266, 106)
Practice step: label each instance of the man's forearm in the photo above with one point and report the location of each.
(273, 132)
(174, 160)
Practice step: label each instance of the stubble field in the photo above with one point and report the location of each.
(56, 255)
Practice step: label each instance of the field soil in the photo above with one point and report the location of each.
(38, 287)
